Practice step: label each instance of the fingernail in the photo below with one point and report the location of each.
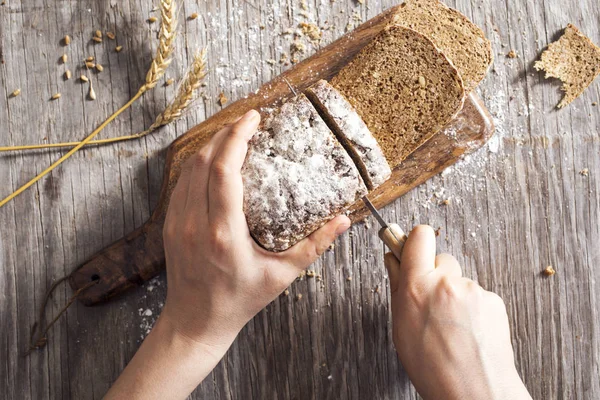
(341, 228)
(250, 115)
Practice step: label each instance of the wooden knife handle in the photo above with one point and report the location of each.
(394, 238)
(126, 263)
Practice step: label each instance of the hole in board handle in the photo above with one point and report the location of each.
(95, 277)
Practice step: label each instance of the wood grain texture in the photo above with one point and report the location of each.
(515, 207)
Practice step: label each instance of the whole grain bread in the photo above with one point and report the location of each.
(352, 132)
(573, 59)
(297, 176)
(404, 88)
(463, 42)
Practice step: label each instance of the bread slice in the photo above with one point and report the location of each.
(463, 42)
(573, 59)
(297, 176)
(404, 88)
(352, 133)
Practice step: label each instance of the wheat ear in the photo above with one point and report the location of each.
(186, 94)
(157, 69)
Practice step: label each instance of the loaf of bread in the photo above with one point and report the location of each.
(463, 42)
(404, 88)
(352, 133)
(297, 176)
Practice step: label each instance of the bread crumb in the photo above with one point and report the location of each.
(222, 99)
(331, 247)
(549, 271)
(512, 54)
(349, 278)
(286, 292)
(594, 103)
(299, 296)
(311, 273)
(437, 231)
(310, 30)
(446, 202)
(584, 172)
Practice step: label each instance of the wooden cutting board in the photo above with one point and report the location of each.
(139, 256)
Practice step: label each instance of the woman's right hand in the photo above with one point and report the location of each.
(452, 336)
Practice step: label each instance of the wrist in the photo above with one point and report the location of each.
(202, 339)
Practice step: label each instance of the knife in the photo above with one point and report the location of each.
(391, 234)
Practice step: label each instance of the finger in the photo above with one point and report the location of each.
(225, 186)
(178, 197)
(418, 256)
(309, 249)
(197, 195)
(446, 264)
(393, 267)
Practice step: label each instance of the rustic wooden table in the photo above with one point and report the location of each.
(516, 206)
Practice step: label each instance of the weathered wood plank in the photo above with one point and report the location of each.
(512, 211)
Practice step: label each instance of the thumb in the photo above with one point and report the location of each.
(309, 249)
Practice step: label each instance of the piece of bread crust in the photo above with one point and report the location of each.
(573, 59)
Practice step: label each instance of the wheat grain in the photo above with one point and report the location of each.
(118, 49)
(156, 71)
(98, 34)
(15, 93)
(99, 67)
(97, 39)
(84, 78)
(55, 96)
(152, 20)
(110, 35)
(186, 94)
(162, 59)
(67, 40)
(194, 16)
(64, 58)
(89, 59)
(68, 74)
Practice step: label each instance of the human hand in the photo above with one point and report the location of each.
(452, 336)
(218, 277)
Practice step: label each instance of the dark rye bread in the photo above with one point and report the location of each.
(463, 42)
(352, 133)
(404, 88)
(573, 59)
(297, 176)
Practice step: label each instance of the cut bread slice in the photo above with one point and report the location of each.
(296, 176)
(404, 88)
(573, 59)
(463, 42)
(352, 133)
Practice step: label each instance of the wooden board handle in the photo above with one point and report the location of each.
(126, 263)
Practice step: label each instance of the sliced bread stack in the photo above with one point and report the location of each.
(404, 88)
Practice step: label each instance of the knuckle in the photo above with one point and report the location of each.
(189, 232)
(220, 169)
(169, 231)
(219, 239)
(202, 159)
(447, 288)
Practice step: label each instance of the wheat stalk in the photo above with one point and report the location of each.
(157, 69)
(186, 94)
